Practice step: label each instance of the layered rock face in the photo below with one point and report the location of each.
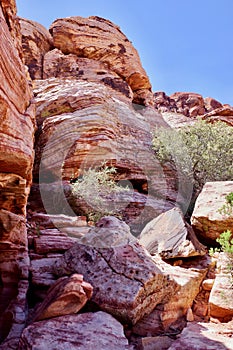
(93, 104)
(85, 116)
(16, 159)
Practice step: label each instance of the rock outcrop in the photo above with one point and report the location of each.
(16, 160)
(207, 221)
(89, 330)
(126, 281)
(99, 39)
(169, 236)
(36, 42)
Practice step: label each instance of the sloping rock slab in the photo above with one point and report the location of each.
(126, 281)
(66, 296)
(200, 336)
(85, 331)
(169, 236)
(206, 220)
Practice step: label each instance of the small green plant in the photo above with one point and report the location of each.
(97, 188)
(225, 241)
(227, 208)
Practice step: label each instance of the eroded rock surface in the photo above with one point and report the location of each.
(127, 283)
(170, 316)
(199, 336)
(99, 39)
(221, 296)
(89, 330)
(169, 236)
(16, 159)
(36, 41)
(206, 219)
(66, 296)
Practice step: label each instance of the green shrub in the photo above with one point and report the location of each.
(97, 188)
(201, 152)
(227, 208)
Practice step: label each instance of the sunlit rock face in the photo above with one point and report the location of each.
(207, 219)
(99, 39)
(16, 159)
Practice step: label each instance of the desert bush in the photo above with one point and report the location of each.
(96, 187)
(201, 152)
(227, 208)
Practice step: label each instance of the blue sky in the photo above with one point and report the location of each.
(184, 45)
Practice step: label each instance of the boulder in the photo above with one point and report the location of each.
(169, 236)
(169, 315)
(108, 232)
(127, 282)
(66, 296)
(36, 41)
(164, 103)
(89, 330)
(221, 296)
(99, 39)
(189, 103)
(211, 104)
(207, 222)
(224, 114)
(199, 336)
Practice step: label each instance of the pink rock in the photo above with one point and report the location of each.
(66, 296)
(84, 331)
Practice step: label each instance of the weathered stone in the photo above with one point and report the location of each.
(155, 343)
(58, 65)
(169, 236)
(208, 284)
(66, 296)
(221, 296)
(126, 281)
(16, 157)
(169, 312)
(89, 330)
(211, 104)
(189, 103)
(199, 336)
(36, 41)
(108, 232)
(10, 13)
(99, 39)
(16, 128)
(177, 120)
(78, 132)
(164, 103)
(206, 220)
(14, 192)
(224, 114)
(52, 243)
(42, 272)
(13, 318)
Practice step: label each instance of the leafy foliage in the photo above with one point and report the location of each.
(227, 208)
(202, 152)
(97, 188)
